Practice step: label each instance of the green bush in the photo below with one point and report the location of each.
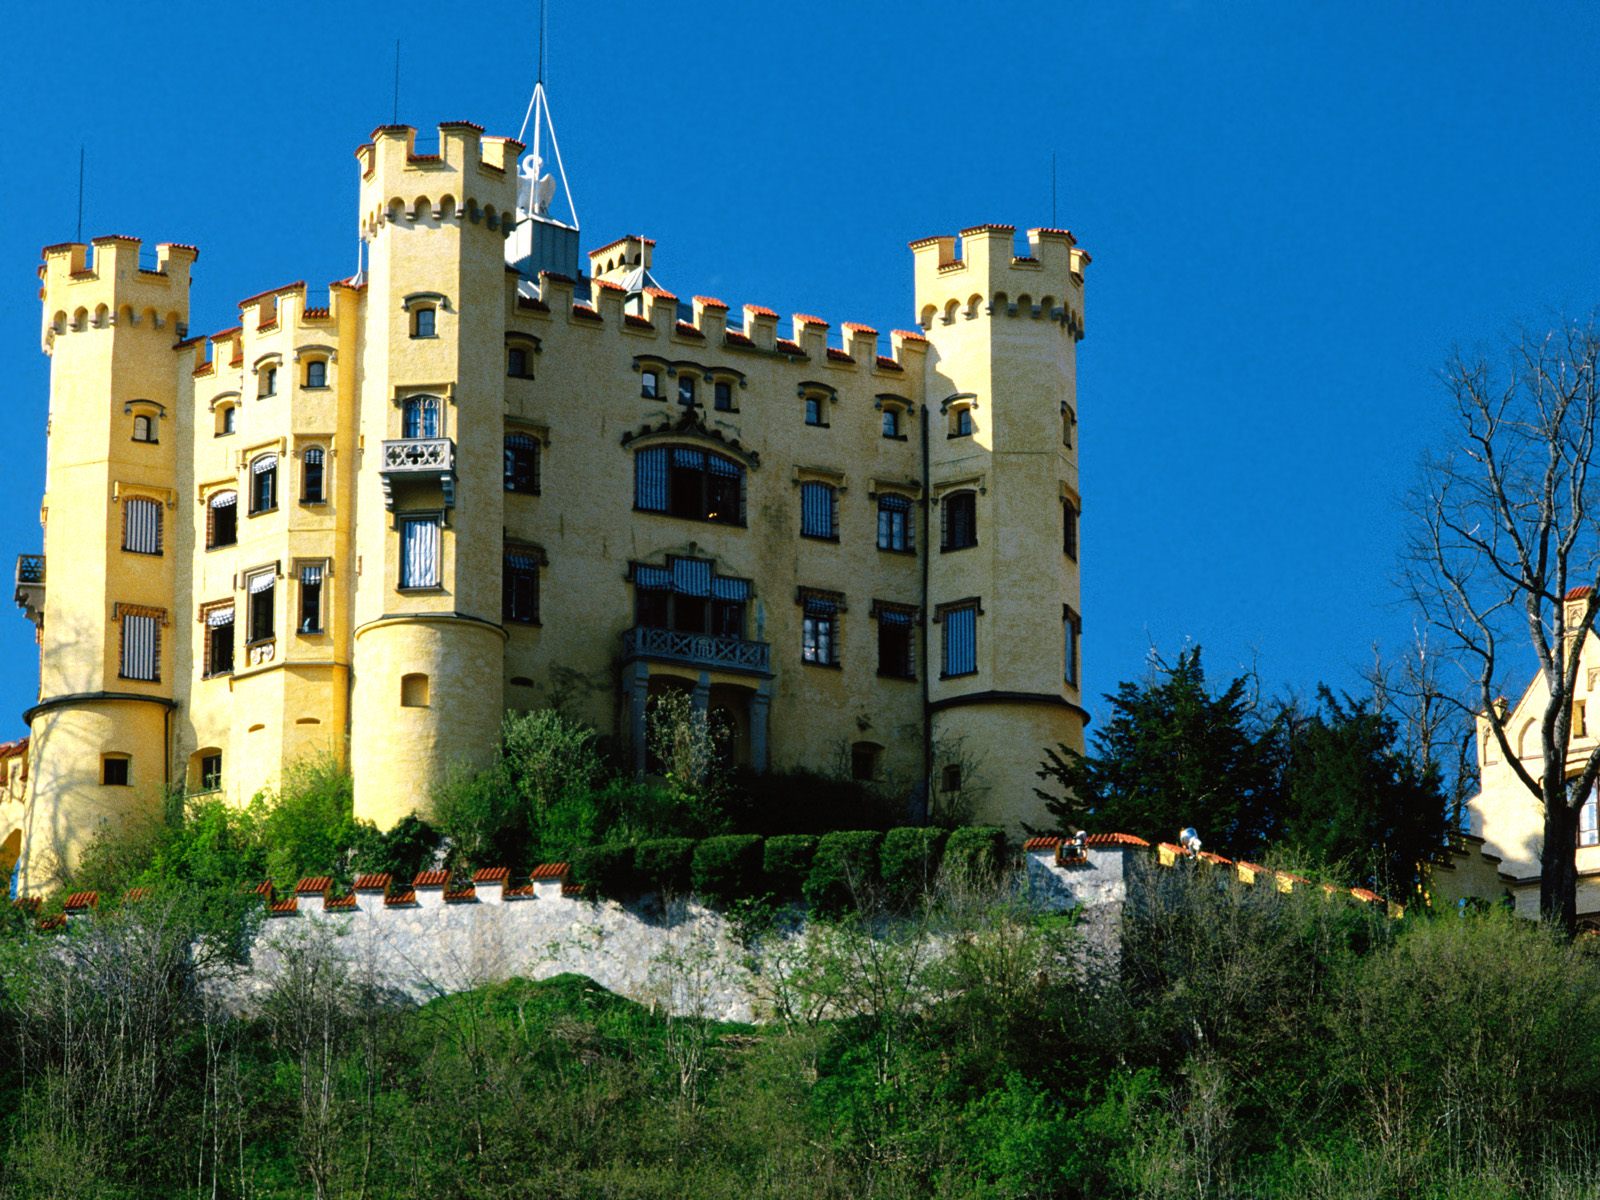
(976, 852)
(845, 871)
(401, 851)
(662, 865)
(909, 862)
(786, 862)
(606, 870)
(727, 868)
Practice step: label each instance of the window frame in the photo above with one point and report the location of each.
(208, 777)
(209, 668)
(947, 645)
(123, 761)
(649, 384)
(889, 504)
(324, 568)
(321, 475)
(519, 440)
(122, 614)
(212, 507)
(947, 528)
(425, 314)
(271, 475)
(320, 367)
(403, 582)
(159, 521)
(821, 627)
(1072, 646)
(671, 489)
(422, 405)
(255, 606)
(510, 571)
(902, 617)
(150, 438)
(1069, 528)
(810, 509)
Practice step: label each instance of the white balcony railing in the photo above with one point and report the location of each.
(697, 650)
(419, 460)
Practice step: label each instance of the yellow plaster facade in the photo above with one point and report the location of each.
(460, 485)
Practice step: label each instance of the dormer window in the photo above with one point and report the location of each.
(317, 373)
(422, 322)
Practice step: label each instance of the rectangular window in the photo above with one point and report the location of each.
(264, 483)
(311, 475)
(819, 631)
(722, 392)
(517, 362)
(419, 552)
(141, 646)
(814, 411)
(1589, 822)
(115, 770)
(1071, 628)
(960, 520)
(141, 526)
(891, 422)
(521, 588)
(521, 464)
(685, 391)
(263, 619)
(895, 633)
(650, 479)
(222, 520)
(894, 523)
(819, 511)
(686, 481)
(311, 597)
(1580, 723)
(1069, 529)
(423, 323)
(649, 385)
(211, 773)
(219, 641)
(960, 641)
(269, 381)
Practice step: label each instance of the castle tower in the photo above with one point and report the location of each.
(100, 729)
(428, 639)
(1001, 408)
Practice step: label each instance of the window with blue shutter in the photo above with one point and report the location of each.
(960, 627)
(685, 481)
(141, 526)
(895, 531)
(818, 511)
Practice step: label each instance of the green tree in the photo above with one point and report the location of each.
(1172, 754)
(1352, 796)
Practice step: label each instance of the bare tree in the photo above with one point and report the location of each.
(1505, 554)
(1434, 714)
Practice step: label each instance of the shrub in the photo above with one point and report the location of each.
(662, 865)
(909, 861)
(606, 870)
(845, 870)
(786, 862)
(976, 852)
(401, 851)
(728, 868)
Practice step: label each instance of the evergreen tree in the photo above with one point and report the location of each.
(1352, 796)
(1172, 754)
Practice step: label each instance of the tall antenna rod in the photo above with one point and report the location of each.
(79, 236)
(396, 119)
(544, 21)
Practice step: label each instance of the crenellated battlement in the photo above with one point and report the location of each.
(978, 273)
(469, 178)
(113, 281)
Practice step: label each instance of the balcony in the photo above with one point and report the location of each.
(30, 587)
(706, 651)
(419, 460)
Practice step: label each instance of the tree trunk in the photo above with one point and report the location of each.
(1558, 863)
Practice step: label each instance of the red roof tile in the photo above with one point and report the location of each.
(1042, 843)
(1045, 229)
(885, 363)
(661, 292)
(297, 285)
(338, 903)
(1580, 593)
(491, 875)
(400, 896)
(839, 355)
(736, 338)
(431, 879)
(759, 310)
(909, 335)
(709, 302)
(584, 312)
(550, 871)
(314, 884)
(574, 889)
(685, 329)
(989, 229)
(807, 319)
(1114, 839)
(374, 882)
(788, 347)
(137, 894)
(629, 237)
(283, 908)
(609, 286)
(460, 895)
(1215, 858)
(79, 900)
(857, 327)
(461, 125)
(635, 321)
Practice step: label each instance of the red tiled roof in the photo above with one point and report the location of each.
(886, 363)
(557, 276)
(49, 923)
(401, 895)
(909, 335)
(1042, 843)
(283, 908)
(431, 879)
(336, 903)
(28, 904)
(521, 890)
(1366, 894)
(807, 319)
(114, 237)
(1256, 868)
(836, 355)
(685, 329)
(1045, 229)
(82, 900)
(374, 882)
(627, 237)
(584, 312)
(1582, 592)
(298, 284)
(736, 338)
(635, 321)
(662, 292)
(460, 895)
(989, 229)
(709, 302)
(857, 327)
(788, 347)
(609, 286)
(550, 871)
(461, 125)
(137, 894)
(491, 875)
(314, 884)
(574, 889)
(195, 250)
(58, 247)
(921, 242)
(1114, 839)
(760, 310)
(264, 888)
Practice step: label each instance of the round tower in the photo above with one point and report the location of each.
(1003, 606)
(428, 634)
(101, 594)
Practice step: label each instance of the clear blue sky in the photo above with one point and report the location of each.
(1295, 211)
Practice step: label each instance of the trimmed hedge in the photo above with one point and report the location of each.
(976, 852)
(787, 863)
(662, 865)
(728, 868)
(606, 870)
(909, 862)
(846, 867)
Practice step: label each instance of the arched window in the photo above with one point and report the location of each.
(311, 476)
(422, 322)
(685, 481)
(317, 373)
(141, 525)
(264, 484)
(222, 520)
(144, 428)
(959, 522)
(522, 464)
(421, 417)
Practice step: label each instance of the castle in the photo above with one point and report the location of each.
(478, 477)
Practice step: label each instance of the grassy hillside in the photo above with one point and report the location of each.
(1249, 1044)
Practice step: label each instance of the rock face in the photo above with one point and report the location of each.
(679, 956)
